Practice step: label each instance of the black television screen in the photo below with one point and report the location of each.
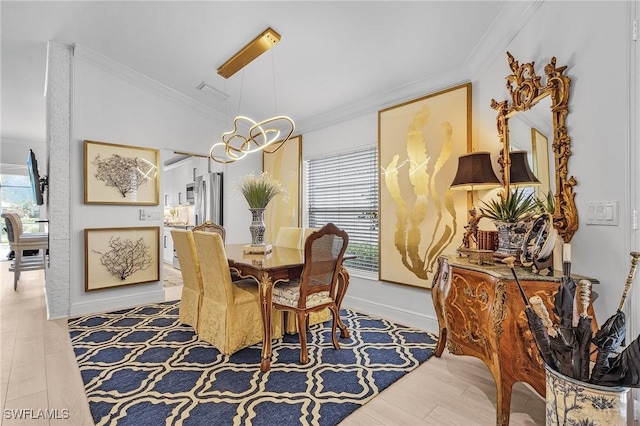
(32, 164)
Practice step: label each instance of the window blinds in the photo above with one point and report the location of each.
(343, 189)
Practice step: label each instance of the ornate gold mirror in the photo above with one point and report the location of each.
(527, 91)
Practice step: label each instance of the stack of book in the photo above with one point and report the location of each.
(487, 240)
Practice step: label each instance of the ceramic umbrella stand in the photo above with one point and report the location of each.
(573, 402)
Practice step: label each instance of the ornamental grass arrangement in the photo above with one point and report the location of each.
(513, 208)
(260, 190)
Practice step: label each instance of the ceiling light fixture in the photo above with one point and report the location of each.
(235, 143)
(251, 51)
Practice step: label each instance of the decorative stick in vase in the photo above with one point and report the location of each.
(611, 335)
(582, 332)
(559, 346)
(634, 264)
(535, 323)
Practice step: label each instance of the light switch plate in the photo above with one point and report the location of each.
(602, 213)
(150, 214)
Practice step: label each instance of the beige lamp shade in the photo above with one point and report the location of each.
(475, 172)
(520, 172)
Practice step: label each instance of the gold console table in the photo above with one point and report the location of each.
(481, 313)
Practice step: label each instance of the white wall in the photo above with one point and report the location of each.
(405, 304)
(14, 152)
(115, 105)
(112, 108)
(595, 48)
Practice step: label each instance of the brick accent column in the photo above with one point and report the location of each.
(58, 104)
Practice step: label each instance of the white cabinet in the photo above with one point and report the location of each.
(199, 167)
(175, 179)
(177, 176)
(167, 185)
(167, 246)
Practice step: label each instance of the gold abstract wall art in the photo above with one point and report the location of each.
(420, 217)
(284, 166)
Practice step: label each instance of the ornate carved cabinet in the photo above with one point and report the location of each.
(481, 313)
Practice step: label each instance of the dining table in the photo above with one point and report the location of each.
(281, 264)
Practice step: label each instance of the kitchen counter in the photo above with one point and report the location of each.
(178, 226)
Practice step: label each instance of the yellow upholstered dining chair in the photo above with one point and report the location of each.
(317, 287)
(305, 234)
(288, 236)
(219, 229)
(230, 316)
(192, 290)
(20, 241)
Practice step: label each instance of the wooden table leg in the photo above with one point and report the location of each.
(343, 284)
(442, 341)
(503, 400)
(266, 290)
(440, 280)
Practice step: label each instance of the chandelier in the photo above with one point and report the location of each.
(248, 135)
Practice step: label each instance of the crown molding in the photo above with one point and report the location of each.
(507, 24)
(505, 27)
(113, 67)
(430, 84)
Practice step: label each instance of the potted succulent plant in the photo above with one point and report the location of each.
(510, 214)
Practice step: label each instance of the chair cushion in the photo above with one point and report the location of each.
(288, 294)
(30, 238)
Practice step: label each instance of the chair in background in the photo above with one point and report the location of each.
(317, 287)
(305, 234)
(290, 237)
(219, 229)
(192, 290)
(211, 227)
(230, 316)
(20, 241)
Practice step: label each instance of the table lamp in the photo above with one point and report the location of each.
(520, 172)
(474, 172)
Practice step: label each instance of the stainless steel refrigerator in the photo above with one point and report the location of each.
(208, 198)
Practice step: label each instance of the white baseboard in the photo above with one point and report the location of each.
(116, 303)
(400, 316)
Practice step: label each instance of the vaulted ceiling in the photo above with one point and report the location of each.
(332, 56)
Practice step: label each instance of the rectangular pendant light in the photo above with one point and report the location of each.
(251, 51)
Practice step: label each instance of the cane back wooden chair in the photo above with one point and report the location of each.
(316, 289)
(290, 321)
(211, 227)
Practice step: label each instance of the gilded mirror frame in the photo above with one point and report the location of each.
(526, 90)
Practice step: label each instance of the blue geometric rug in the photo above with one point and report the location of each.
(141, 366)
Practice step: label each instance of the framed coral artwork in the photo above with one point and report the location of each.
(120, 174)
(419, 143)
(117, 257)
(283, 163)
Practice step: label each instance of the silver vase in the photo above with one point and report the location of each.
(257, 227)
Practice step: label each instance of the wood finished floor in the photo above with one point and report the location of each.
(38, 371)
